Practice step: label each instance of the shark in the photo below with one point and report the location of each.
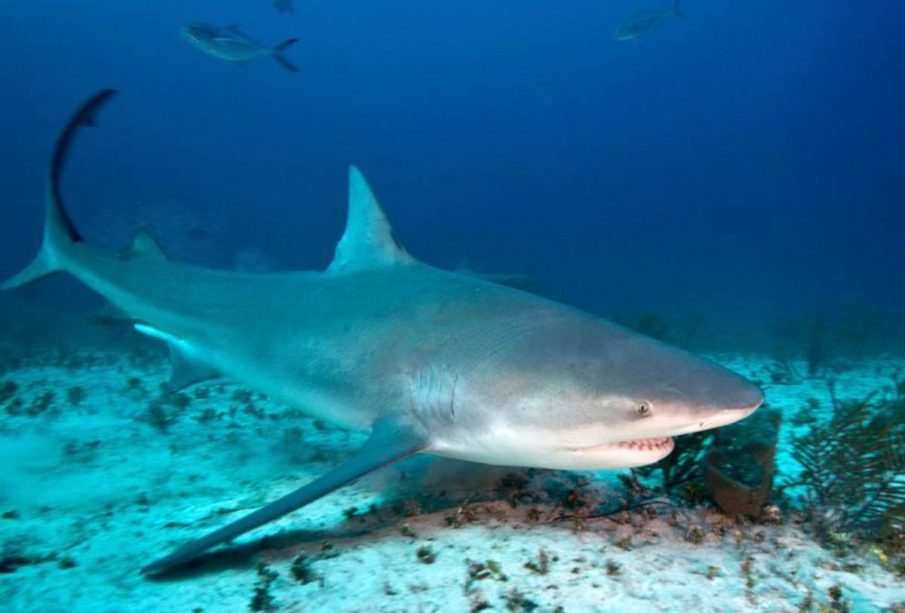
(425, 360)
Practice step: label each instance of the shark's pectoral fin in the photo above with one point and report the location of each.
(391, 439)
(187, 369)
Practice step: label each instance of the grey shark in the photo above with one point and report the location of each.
(234, 45)
(428, 361)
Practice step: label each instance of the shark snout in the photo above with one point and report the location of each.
(750, 399)
(744, 399)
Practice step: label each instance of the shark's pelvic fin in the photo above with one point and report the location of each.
(187, 368)
(391, 439)
(368, 240)
(59, 231)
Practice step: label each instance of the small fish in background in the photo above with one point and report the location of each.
(234, 45)
(644, 22)
(284, 6)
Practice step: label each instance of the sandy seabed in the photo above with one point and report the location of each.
(100, 474)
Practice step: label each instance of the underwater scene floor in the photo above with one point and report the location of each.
(102, 473)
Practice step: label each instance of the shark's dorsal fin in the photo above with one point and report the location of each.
(368, 240)
(143, 247)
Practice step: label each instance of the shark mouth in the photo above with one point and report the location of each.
(646, 444)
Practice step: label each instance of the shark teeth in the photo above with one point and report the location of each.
(646, 444)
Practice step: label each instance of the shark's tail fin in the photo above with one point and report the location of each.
(59, 231)
(676, 10)
(279, 55)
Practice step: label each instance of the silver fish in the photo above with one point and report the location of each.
(234, 45)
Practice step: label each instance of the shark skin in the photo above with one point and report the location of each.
(427, 360)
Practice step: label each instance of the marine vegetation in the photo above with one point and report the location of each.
(854, 466)
(741, 463)
(683, 467)
(733, 466)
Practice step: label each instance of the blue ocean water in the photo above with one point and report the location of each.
(732, 181)
(738, 163)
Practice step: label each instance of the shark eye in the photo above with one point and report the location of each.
(643, 409)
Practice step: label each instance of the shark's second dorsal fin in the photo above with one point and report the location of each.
(143, 246)
(368, 240)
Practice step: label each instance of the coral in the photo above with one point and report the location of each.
(261, 599)
(740, 466)
(158, 417)
(542, 565)
(301, 570)
(853, 465)
(426, 554)
(177, 400)
(683, 465)
(41, 404)
(517, 601)
(513, 488)
(76, 395)
(837, 600)
(8, 390)
(478, 571)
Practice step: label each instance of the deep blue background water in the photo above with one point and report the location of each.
(746, 163)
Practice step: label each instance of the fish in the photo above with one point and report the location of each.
(284, 6)
(642, 23)
(234, 45)
(426, 360)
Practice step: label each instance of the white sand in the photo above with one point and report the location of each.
(97, 485)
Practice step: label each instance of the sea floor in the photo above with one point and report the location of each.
(100, 474)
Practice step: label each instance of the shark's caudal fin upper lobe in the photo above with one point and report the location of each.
(392, 438)
(279, 56)
(59, 231)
